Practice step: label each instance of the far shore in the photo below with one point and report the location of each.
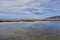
(29, 20)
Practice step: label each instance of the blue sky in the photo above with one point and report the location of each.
(29, 9)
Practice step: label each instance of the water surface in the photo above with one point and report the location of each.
(39, 30)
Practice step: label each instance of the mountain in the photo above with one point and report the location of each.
(54, 18)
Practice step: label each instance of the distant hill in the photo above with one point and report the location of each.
(54, 18)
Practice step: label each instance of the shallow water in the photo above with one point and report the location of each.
(39, 30)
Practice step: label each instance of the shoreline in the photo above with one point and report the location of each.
(25, 20)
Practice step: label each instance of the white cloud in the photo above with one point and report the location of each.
(30, 7)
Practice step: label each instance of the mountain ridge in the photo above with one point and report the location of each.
(54, 18)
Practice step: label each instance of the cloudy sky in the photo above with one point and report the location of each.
(29, 9)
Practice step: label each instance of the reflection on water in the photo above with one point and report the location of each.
(40, 30)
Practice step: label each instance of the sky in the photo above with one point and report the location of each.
(29, 9)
